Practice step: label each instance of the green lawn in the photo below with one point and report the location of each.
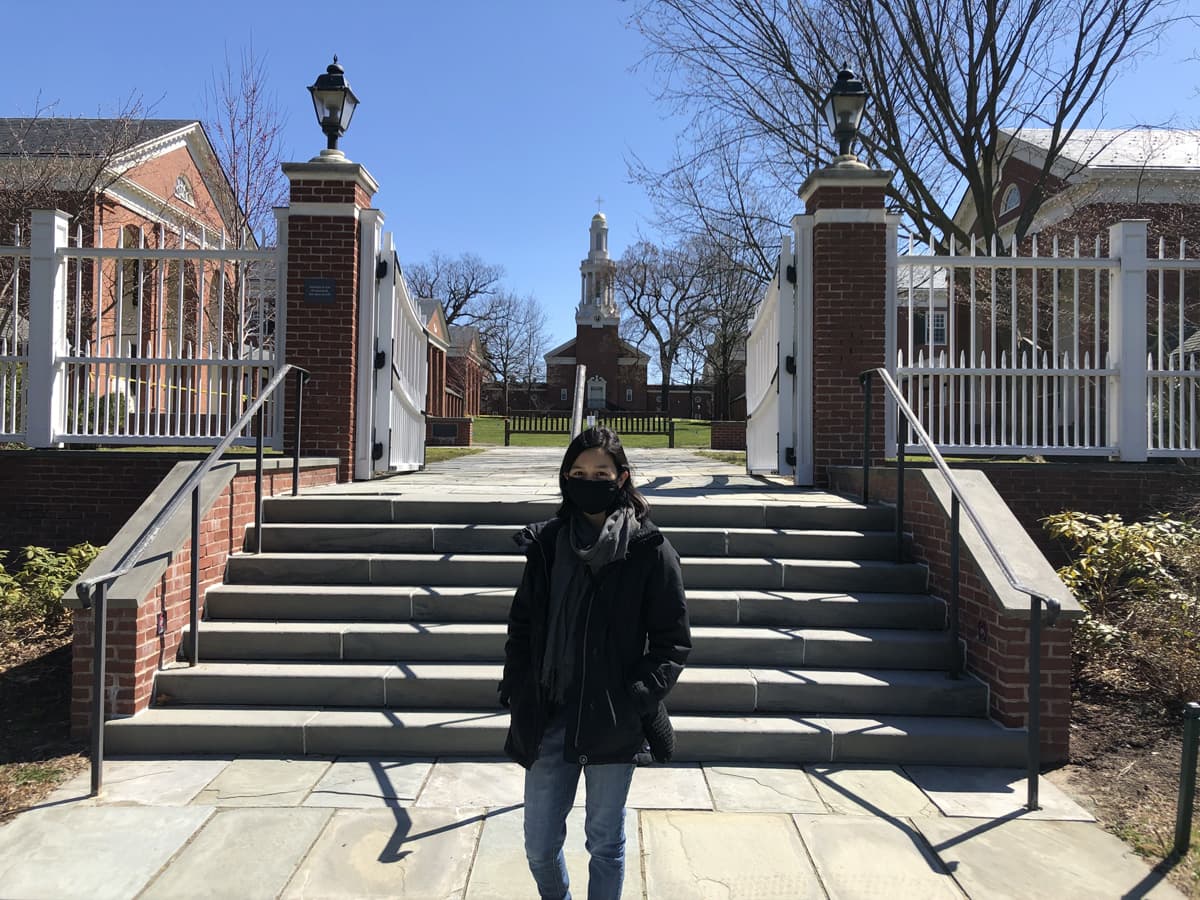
(689, 433)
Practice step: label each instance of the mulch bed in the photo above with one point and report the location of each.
(36, 750)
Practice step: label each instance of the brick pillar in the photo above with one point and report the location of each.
(322, 315)
(850, 240)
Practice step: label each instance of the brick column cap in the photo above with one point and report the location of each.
(843, 177)
(331, 171)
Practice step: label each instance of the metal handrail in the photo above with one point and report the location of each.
(958, 501)
(91, 591)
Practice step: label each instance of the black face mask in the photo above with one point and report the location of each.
(591, 496)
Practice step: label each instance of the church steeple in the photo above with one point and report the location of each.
(597, 300)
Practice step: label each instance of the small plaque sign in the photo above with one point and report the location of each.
(444, 430)
(320, 290)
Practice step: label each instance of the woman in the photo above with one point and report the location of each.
(597, 636)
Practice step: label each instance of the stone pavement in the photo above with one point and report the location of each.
(438, 829)
(425, 829)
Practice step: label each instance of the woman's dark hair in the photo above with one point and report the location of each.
(607, 440)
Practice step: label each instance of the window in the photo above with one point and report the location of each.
(562, 394)
(628, 395)
(183, 190)
(1012, 199)
(939, 328)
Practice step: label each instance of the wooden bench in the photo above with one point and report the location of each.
(530, 422)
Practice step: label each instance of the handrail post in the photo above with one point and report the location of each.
(99, 649)
(1187, 780)
(300, 379)
(258, 479)
(194, 600)
(900, 442)
(1034, 718)
(955, 570)
(865, 381)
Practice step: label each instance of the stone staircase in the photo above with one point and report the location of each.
(375, 626)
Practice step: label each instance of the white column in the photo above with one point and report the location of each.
(281, 251)
(1128, 412)
(47, 410)
(370, 234)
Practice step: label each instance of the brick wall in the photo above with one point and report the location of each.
(728, 436)
(57, 498)
(322, 337)
(996, 646)
(848, 337)
(135, 649)
(441, 431)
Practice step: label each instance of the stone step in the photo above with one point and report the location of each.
(942, 740)
(481, 641)
(454, 538)
(791, 511)
(468, 569)
(490, 604)
(700, 689)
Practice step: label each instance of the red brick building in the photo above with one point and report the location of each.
(616, 370)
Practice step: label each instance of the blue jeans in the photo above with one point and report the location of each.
(549, 793)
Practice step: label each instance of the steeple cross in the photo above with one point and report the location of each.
(599, 201)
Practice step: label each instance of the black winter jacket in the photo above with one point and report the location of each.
(634, 640)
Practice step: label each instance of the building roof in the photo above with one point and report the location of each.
(1122, 148)
(80, 137)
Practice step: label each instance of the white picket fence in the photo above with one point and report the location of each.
(1065, 352)
(148, 337)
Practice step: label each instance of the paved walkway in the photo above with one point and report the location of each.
(440, 829)
(436, 829)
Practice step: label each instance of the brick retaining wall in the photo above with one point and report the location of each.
(135, 650)
(728, 436)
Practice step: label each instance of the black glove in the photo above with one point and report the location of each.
(503, 695)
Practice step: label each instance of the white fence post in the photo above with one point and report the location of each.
(370, 225)
(46, 418)
(281, 252)
(1127, 417)
(801, 338)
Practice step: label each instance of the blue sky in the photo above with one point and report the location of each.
(491, 127)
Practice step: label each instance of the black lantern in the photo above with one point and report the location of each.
(844, 109)
(334, 103)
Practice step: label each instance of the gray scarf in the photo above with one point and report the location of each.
(579, 554)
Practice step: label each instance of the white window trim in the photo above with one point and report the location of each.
(1011, 200)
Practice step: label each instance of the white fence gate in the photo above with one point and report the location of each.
(1071, 350)
(393, 366)
(779, 366)
(151, 336)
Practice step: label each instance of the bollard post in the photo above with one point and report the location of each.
(1187, 780)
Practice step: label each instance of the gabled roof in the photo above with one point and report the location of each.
(1099, 157)
(464, 341)
(121, 145)
(433, 317)
(80, 137)
(1123, 148)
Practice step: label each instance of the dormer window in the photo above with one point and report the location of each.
(183, 190)
(1012, 199)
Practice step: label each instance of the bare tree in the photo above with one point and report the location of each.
(245, 123)
(467, 287)
(48, 162)
(945, 76)
(664, 291)
(517, 341)
(733, 291)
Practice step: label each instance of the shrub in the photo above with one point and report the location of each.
(1138, 583)
(31, 596)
